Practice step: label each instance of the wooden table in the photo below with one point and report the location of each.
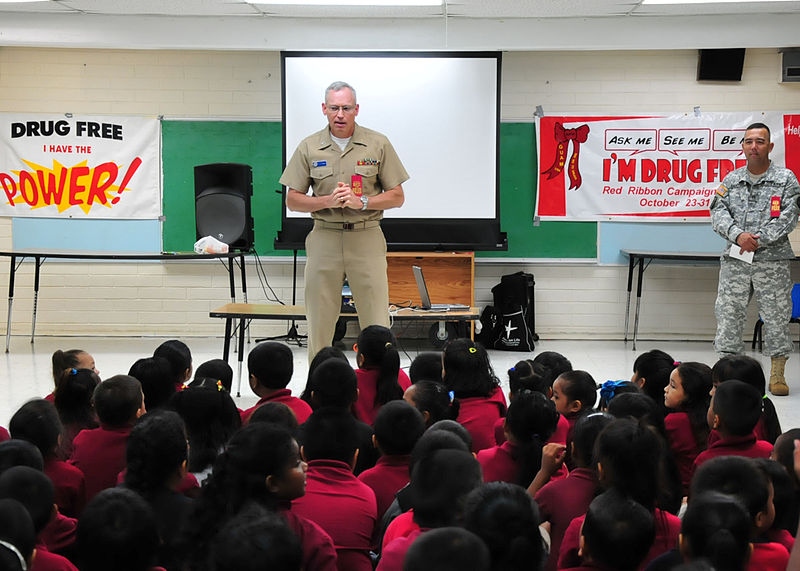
(247, 311)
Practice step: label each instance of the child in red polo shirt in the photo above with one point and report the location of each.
(574, 393)
(398, 426)
(468, 373)
(380, 378)
(180, 360)
(156, 377)
(686, 396)
(100, 453)
(448, 549)
(616, 534)
(651, 372)
(335, 499)
(734, 412)
(34, 490)
(271, 365)
(741, 478)
(17, 536)
(73, 400)
(433, 400)
(530, 422)
(64, 362)
(37, 422)
(561, 501)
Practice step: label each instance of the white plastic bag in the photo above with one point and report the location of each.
(210, 245)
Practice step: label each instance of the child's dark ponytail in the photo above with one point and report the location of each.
(379, 348)
(531, 420)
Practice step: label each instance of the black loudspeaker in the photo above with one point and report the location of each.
(222, 193)
(720, 65)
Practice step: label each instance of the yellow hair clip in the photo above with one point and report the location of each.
(219, 386)
(473, 350)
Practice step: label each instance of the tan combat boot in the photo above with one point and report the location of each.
(777, 382)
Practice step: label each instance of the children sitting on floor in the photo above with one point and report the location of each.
(380, 378)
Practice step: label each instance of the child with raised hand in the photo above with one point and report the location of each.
(734, 412)
(180, 360)
(433, 400)
(270, 366)
(380, 378)
(628, 455)
(530, 422)
(617, 533)
(73, 401)
(687, 398)
(748, 370)
(651, 371)
(505, 517)
(100, 452)
(157, 463)
(741, 478)
(156, 377)
(65, 361)
(37, 422)
(468, 373)
(260, 465)
(561, 501)
(211, 418)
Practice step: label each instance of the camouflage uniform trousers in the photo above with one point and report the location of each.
(772, 285)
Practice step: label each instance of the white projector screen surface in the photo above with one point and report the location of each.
(440, 111)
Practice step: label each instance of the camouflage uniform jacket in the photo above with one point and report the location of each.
(740, 206)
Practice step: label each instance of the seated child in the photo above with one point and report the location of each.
(211, 418)
(521, 377)
(100, 452)
(254, 540)
(270, 365)
(33, 489)
(616, 534)
(687, 399)
(783, 453)
(65, 361)
(561, 501)
(213, 372)
(334, 384)
(156, 377)
(16, 452)
(37, 422)
(651, 371)
(549, 365)
(748, 370)
(323, 355)
(433, 400)
(448, 549)
(261, 466)
(716, 527)
(117, 530)
(17, 538)
(276, 413)
(398, 426)
(180, 360)
(426, 366)
(440, 482)
(505, 517)
(574, 393)
(530, 422)
(157, 463)
(73, 400)
(468, 374)
(734, 412)
(784, 499)
(335, 499)
(380, 378)
(628, 456)
(740, 478)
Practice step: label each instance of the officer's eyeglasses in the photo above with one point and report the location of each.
(345, 108)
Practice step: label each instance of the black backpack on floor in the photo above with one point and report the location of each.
(511, 320)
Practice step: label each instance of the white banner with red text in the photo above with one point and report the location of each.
(647, 168)
(59, 166)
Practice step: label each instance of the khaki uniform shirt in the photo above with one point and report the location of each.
(319, 164)
(741, 206)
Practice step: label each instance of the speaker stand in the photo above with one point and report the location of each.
(291, 336)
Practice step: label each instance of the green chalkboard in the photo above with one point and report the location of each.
(186, 144)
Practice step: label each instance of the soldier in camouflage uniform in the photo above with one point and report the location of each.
(754, 209)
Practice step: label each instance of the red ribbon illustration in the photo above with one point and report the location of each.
(563, 137)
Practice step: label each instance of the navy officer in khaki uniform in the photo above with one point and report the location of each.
(354, 174)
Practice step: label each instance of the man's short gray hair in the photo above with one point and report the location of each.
(338, 86)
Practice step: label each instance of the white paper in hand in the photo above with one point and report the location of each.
(746, 257)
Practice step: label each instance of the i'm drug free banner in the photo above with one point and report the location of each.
(654, 168)
(57, 166)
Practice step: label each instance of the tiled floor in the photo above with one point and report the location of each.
(25, 372)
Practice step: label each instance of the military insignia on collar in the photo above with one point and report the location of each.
(722, 190)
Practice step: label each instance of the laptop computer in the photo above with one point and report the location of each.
(426, 299)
